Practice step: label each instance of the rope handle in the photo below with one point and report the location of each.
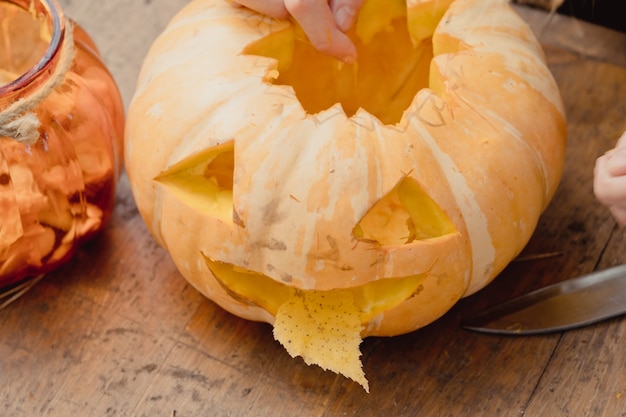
(17, 121)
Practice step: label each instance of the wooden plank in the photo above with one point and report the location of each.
(587, 374)
(118, 332)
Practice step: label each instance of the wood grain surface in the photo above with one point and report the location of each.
(118, 331)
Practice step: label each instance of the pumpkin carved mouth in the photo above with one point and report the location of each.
(383, 82)
(323, 327)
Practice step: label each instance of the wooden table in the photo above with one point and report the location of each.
(118, 332)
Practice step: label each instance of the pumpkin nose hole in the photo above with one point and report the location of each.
(389, 71)
(402, 216)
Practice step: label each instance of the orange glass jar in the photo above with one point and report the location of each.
(61, 133)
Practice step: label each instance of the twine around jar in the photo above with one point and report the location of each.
(17, 121)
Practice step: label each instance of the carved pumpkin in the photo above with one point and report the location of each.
(342, 201)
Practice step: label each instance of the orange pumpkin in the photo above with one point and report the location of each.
(341, 201)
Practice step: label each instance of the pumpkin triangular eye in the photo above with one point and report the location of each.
(402, 216)
(205, 181)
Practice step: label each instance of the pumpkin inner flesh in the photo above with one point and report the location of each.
(402, 216)
(205, 181)
(383, 81)
(257, 289)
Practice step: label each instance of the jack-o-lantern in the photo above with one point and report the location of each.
(341, 201)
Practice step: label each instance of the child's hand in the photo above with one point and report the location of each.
(324, 22)
(609, 184)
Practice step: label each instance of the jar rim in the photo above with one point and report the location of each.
(54, 14)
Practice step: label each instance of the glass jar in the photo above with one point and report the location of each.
(61, 133)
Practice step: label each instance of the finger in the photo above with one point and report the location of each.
(271, 8)
(318, 23)
(345, 12)
(608, 189)
(621, 142)
(619, 214)
(616, 162)
(601, 180)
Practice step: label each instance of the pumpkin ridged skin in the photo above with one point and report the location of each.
(485, 141)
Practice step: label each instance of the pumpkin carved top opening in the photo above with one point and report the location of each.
(320, 81)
